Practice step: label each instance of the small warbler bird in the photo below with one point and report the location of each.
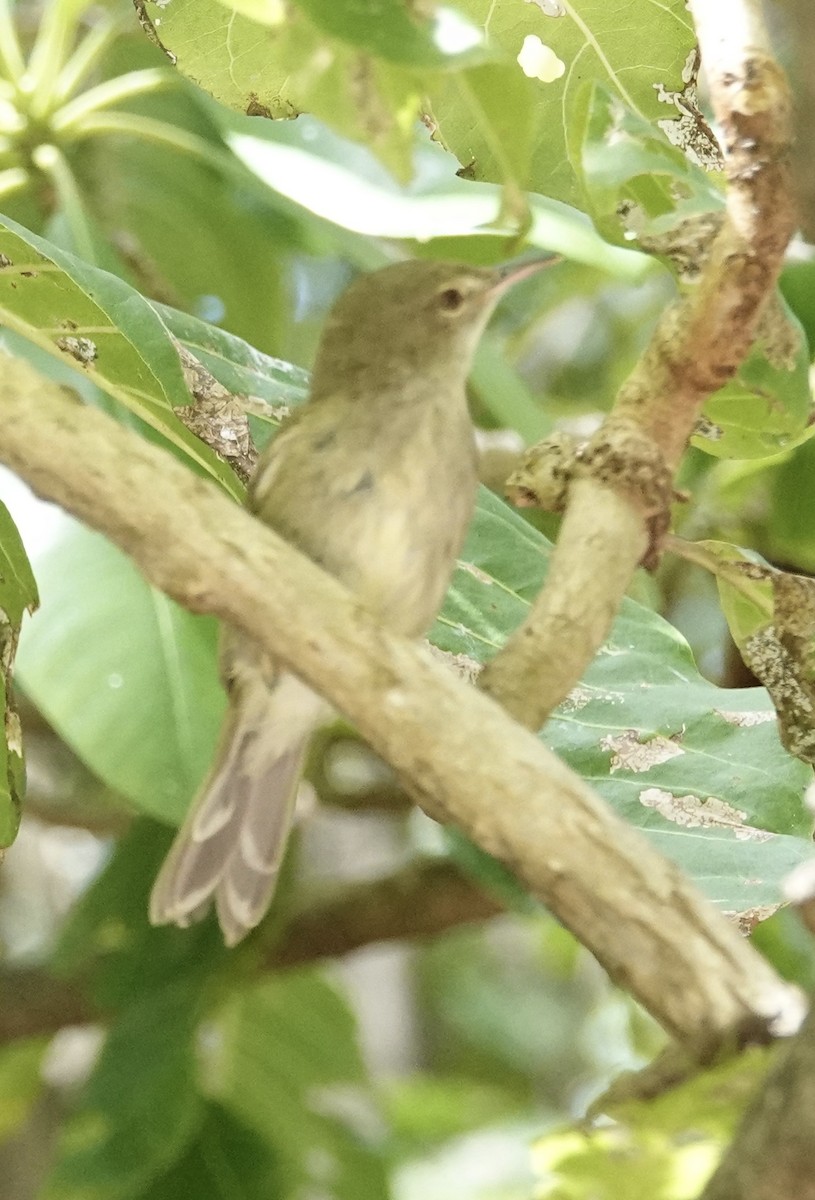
(374, 478)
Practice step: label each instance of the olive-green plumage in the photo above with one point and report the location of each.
(374, 479)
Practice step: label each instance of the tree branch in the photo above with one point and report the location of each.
(460, 755)
(424, 899)
(696, 348)
(772, 1156)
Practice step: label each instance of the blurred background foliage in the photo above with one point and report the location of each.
(406, 1068)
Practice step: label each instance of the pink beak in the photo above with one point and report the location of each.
(512, 273)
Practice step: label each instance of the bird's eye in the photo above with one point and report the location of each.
(451, 299)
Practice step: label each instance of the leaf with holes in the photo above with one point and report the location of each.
(507, 125)
(102, 327)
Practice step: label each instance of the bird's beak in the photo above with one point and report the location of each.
(511, 273)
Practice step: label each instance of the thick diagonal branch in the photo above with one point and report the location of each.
(459, 754)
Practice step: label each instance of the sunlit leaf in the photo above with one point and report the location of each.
(123, 673)
(140, 1108)
(98, 324)
(291, 1070)
(666, 1147)
(636, 49)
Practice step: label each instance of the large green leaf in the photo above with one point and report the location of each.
(18, 593)
(141, 1106)
(291, 1070)
(700, 769)
(124, 674)
(226, 1160)
(635, 48)
(366, 80)
(300, 161)
(279, 70)
(98, 324)
(108, 942)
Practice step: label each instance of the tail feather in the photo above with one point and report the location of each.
(235, 859)
(231, 845)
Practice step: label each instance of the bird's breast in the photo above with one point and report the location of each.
(383, 504)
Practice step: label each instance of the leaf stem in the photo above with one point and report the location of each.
(135, 83)
(12, 180)
(53, 163)
(85, 57)
(12, 62)
(54, 38)
(151, 130)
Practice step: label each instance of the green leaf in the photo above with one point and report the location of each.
(18, 593)
(341, 183)
(631, 47)
(291, 1070)
(126, 676)
(634, 181)
(699, 769)
(99, 325)
(224, 1161)
(241, 368)
(386, 29)
(666, 1147)
(771, 615)
(107, 939)
(768, 406)
(284, 69)
(21, 1082)
(141, 1107)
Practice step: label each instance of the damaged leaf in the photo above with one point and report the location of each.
(644, 192)
(771, 615)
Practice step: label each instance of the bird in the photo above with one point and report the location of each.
(374, 478)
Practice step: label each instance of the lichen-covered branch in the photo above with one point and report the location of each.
(696, 348)
(458, 753)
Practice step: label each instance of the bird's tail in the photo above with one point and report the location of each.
(232, 842)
